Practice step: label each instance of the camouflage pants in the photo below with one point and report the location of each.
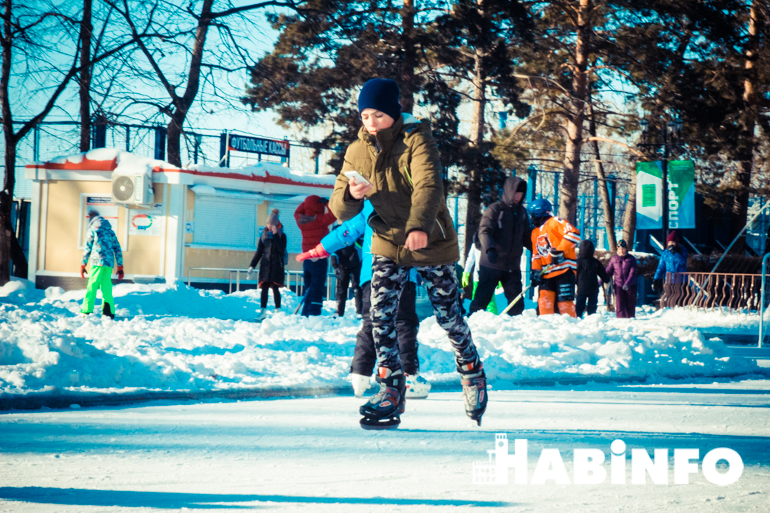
(388, 280)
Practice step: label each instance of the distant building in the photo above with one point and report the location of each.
(199, 216)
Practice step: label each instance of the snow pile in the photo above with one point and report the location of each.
(172, 337)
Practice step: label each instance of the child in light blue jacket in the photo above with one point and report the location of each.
(407, 323)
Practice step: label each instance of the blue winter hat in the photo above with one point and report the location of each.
(380, 94)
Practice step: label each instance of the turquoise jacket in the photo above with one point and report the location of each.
(102, 246)
(352, 230)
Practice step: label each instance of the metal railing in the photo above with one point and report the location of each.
(712, 290)
(762, 304)
(294, 280)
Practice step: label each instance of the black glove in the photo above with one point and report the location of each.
(492, 255)
(535, 278)
(557, 257)
(657, 285)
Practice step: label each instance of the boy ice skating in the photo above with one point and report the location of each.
(102, 248)
(554, 260)
(398, 156)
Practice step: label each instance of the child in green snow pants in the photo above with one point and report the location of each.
(492, 306)
(100, 278)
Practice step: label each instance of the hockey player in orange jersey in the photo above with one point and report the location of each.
(554, 261)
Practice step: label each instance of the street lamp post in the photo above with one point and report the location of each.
(670, 136)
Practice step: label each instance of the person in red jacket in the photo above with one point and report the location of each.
(313, 218)
(554, 260)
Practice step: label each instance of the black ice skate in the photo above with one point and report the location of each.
(384, 408)
(474, 383)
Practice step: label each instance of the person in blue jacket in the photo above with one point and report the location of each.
(673, 260)
(407, 323)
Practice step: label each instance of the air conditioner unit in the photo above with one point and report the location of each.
(131, 189)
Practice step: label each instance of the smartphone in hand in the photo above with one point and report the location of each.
(359, 179)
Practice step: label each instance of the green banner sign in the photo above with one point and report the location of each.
(649, 209)
(681, 194)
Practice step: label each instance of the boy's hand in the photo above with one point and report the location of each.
(416, 240)
(358, 191)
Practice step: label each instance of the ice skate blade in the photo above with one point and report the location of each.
(374, 424)
(476, 419)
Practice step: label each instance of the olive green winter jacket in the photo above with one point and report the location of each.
(407, 192)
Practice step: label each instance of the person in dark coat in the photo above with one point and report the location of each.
(589, 271)
(346, 262)
(623, 269)
(313, 218)
(271, 250)
(504, 233)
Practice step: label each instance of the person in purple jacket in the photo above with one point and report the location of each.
(623, 269)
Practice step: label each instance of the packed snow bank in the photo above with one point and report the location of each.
(180, 338)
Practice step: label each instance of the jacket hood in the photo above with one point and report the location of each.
(314, 205)
(513, 184)
(586, 249)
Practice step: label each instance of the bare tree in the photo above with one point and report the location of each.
(43, 70)
(182, 30)
(84, 82)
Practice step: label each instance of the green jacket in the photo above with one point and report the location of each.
(407, 193)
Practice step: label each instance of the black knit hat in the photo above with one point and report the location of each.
(380, 94)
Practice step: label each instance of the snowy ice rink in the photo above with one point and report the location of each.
(655, 383)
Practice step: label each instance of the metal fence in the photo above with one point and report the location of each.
(294, 280)
(764, 303)
(713, 291)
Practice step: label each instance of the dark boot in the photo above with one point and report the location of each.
(382, 410)
(107, 311)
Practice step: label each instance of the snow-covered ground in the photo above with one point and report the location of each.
(172, 338)
(653, 382)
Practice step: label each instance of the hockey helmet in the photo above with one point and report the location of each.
(540, 208)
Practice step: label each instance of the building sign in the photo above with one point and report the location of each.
(649, 210)
(681, 194)
(104, 206)
(258, 145)
(146, 221)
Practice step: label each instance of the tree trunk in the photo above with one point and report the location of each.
(569, 186)
(20, 266)
(182, 104)
(747, 125)
(409, 60)
(609, 212)
(473, 212)
(629, 218)
(86, 33)
(9, 158)
(174, 138)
